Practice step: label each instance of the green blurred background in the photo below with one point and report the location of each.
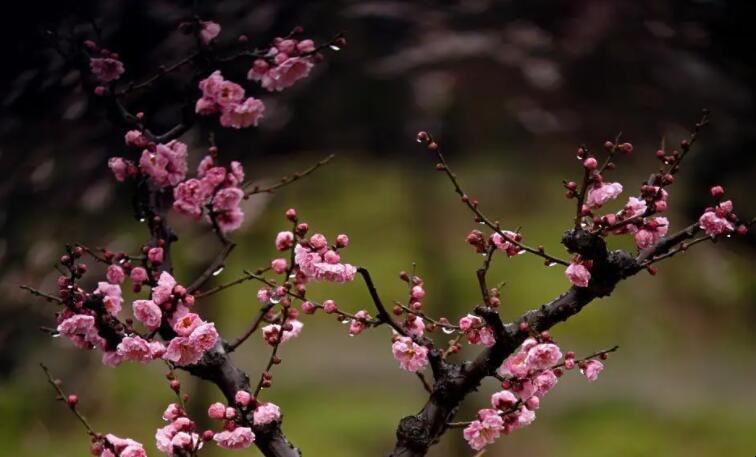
(510, 90)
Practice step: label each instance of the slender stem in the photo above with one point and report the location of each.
(383, 315)
(288, 179)
(252, 328)
(64, 398)
(481, 274)
(473, 206)
(39, 293)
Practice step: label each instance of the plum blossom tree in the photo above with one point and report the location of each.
(164, 324)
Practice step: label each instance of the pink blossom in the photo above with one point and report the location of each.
(136, 139)
(284, 240)
(331, 257)
(308, 307)
(330, 307)
(111, 358)
(318, 241)
(208, 31)
(411, 356)
(544, 382)
(111, 296)
(80, 329)
(475, 332)
(278, 265)
(212, 178)
(651, 232)
(578, 274)
(515, 365)
(166, 164)
(205, 106)
(263, 295)
(503, 244)
(591, 369)
(162, 292)
(524, 416)
(182, 351)
(138, 275)
(306, 46)
(172, 412)
(204, 336)
(266, 413)
(311, 264)
(106, 69)
(242, 398)
(238, 438)
(715, 222)
(217, 411)
(229, 93)
(485, 430)
(417, 292)
(286, 73)
(185, 325)
(635, 207)
(543, 356)
(503, 400)
(115, 274)
(226, 207)
(270, 332)
(414, 326)
(119, 167)
(155, 255)
(356, 326)
(126, 447)
(241, 115)
(211, 85)
(599, 195)
(189, 196)
(136, 349)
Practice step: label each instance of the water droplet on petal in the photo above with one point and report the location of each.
(345, 320)
(274, 299)
(447, 330)
(142, 219)
(334, 47)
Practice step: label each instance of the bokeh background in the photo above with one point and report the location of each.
(510, 89)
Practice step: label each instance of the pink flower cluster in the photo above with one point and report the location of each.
(286, 62)
(529, 375)
(107, 68)
(578, 274)
(292, 329)
(228, 98)
(317, 261)
(216, 186)
(476, 332)
(477, 240)
(718, 220)
(359, 323)
(233, 436)
(179, 437)
(209, 30)
(120, 447)
(165, 164)
(410, 355)
(601, 193)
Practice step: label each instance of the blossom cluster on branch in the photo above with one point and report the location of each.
(163, 324)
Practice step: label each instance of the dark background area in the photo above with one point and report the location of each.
(510, 89)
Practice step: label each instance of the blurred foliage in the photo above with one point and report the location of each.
(510, 89)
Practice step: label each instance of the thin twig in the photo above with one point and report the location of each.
(288, 179)
(473, 206)
(64, 398)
